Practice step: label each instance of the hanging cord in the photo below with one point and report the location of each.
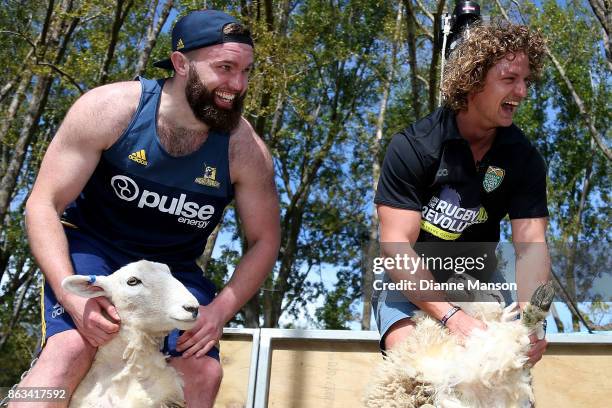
(446, 31)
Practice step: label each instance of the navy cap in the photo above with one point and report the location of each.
(200, 29)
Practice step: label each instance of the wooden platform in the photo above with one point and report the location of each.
(303, 369)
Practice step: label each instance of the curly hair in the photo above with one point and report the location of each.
(484, 47)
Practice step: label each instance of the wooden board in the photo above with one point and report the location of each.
(334, 374)
(236, 361)
(311, 373)
(574, 376)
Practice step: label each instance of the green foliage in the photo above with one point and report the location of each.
(337, 311)
(16, 355)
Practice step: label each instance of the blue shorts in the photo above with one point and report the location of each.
(390, 308)
(90, 256)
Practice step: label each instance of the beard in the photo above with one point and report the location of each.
(202, 103)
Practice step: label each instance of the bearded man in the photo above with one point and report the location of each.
(144, 170)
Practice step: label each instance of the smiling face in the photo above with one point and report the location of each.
(504, 88)
(217, 82)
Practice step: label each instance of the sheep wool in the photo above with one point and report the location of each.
(432, 368)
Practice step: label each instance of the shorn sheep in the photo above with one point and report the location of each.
(431, 368)
(130, 370)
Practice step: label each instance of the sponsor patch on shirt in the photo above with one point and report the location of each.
(446, 218)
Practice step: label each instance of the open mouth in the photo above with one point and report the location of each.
(510, 106)
(226, 98)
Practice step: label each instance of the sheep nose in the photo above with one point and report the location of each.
(192, 309)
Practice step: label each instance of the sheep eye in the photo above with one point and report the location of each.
(133, 281)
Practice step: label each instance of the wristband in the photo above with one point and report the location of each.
(449, 314)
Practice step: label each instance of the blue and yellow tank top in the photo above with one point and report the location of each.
(149, 204)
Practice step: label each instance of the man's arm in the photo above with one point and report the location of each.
(532, 258)
(532, 268)
(399, 229)
(258, 208)
(91, 125)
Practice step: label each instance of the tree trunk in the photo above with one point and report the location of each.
(412, 58)
(603, 12)
(10, 85)
(251, 312)
(152, 35)
(15, 280)
(251, 308)
(30, 125)
(272, 139)
(281, 32)
(7, 121)
(206, 256)
(273, 299)
(558, 321)
(576, 229)
(368, 273)
(59, 31)
(26, 77)
(5, 334)
(121, 11)
(269, 15)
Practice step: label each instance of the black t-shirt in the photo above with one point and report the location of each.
(429, 167)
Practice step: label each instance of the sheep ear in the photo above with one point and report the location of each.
(86, 286)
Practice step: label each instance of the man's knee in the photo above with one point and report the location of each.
(399, 331)
(212, 372)
(205, 370)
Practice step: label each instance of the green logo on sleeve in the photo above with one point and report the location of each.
(493, 178)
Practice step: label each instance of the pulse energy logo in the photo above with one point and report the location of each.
(187, 212)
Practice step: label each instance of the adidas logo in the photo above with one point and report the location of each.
(139, 157)
(180, 44)
(57, 310)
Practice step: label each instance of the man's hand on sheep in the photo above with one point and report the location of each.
(538, 347)
(204, 335)
(96, 319)
(533, 318)
(462, 324)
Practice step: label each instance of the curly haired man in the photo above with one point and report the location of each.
(454, 175)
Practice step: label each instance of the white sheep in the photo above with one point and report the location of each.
(433, 368)
(130, 370)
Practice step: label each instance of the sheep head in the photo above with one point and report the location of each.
(145, 294)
